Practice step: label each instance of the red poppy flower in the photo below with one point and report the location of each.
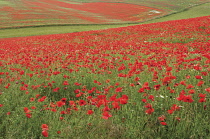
(149, 111)
(166, 80)
(175, 107)
(204, 73)
(137, 79)
(53, 110)
(23, 88)
(56, 89)
(56, 72)
(190, 86)
(60, 103)
(198, 77)
(77, 84)
(163, 123)
(146, 86)
(151, 97)
(65, 83)
(207, 89)
(22, 72)
(106, 108)
(157, 87)
(148, 105)
(116, 84)
(28, 115)
(119, 89)
(162, 118)
(106, 115)
(123, 101)
(44, 127)
(197, 67)
(89, 112)
(26, 110)
(63, 100)
(172, 91)
(168, 68)
(200, 83)
(202, 100)
(180, 98)
(144, 100)
(188, 98)
(63, 112)
(202, 95)
(115, 105)
(33, 107)
(42, 99)
(82, 102)
(132, 84)
(141, 90)
(192, 91)
(72, 103)
(170, 111)
(183, 83)
(38, 95)
(45, 133)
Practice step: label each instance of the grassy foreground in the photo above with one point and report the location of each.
(201, 10)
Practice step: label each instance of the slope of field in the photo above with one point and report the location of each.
(196, 11)
(28, 13)
(44, 12)
(140, 81)
(168, 5)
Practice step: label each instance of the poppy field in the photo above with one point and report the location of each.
(142, 81)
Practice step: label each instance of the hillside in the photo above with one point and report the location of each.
(20, 13)
(142, 81)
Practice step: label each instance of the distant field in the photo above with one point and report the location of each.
(201, 10)
(21, 13)
(42, 12)
(169, 5)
